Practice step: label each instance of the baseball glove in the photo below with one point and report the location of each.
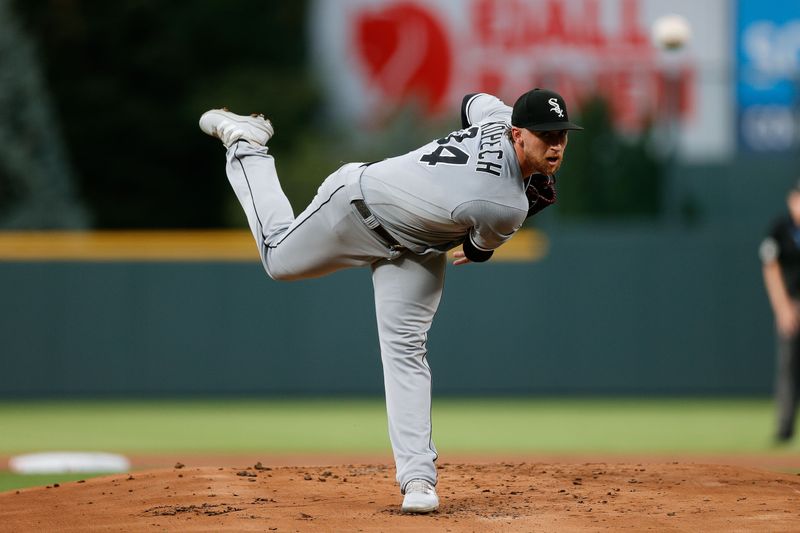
(541, 192)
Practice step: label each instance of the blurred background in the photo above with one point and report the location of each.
(643, 279)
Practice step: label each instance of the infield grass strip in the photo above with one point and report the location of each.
(542, 425)
(9, 481)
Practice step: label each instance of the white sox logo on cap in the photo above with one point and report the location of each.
(541, 110)
(555, 107)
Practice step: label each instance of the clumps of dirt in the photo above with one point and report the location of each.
(506, 497)
(208, 509)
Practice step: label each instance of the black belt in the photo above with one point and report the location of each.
(373, 224)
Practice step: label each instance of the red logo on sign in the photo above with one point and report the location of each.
(405, 54)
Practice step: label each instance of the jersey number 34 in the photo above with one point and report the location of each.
(448, 154)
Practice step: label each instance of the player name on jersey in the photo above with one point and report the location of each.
(491, 136)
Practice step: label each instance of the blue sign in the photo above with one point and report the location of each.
(768, 84)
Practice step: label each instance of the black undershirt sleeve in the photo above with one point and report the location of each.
(474, 254)
(465, 123)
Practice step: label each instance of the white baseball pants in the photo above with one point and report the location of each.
(330, 235)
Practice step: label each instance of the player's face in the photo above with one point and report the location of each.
(541, 151)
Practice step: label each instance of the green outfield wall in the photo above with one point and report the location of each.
(610, 309)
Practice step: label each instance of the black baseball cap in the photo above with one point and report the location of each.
(541, 110)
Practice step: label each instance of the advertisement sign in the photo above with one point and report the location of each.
(768, 53)
(378, 56)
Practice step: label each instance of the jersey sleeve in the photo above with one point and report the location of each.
(768, 251)
(478, 107)
(491, 224)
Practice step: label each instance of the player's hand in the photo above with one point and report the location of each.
(788, 321)
(460, 258)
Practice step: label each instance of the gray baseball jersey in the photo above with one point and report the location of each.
(466, 182)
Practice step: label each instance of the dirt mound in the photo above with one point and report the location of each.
(491, 497)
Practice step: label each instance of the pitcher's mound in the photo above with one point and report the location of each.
(496, 497)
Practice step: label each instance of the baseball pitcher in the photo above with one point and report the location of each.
(473, 187)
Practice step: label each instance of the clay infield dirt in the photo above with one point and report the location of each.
(509, 496)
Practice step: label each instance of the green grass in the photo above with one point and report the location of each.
(539, 425)
(607, 425)
(9, 481)
(353, 426)
(193, 426)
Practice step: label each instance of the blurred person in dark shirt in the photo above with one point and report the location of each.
(780, 257)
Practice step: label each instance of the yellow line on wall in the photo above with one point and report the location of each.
(189, 245)
(217, 245)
